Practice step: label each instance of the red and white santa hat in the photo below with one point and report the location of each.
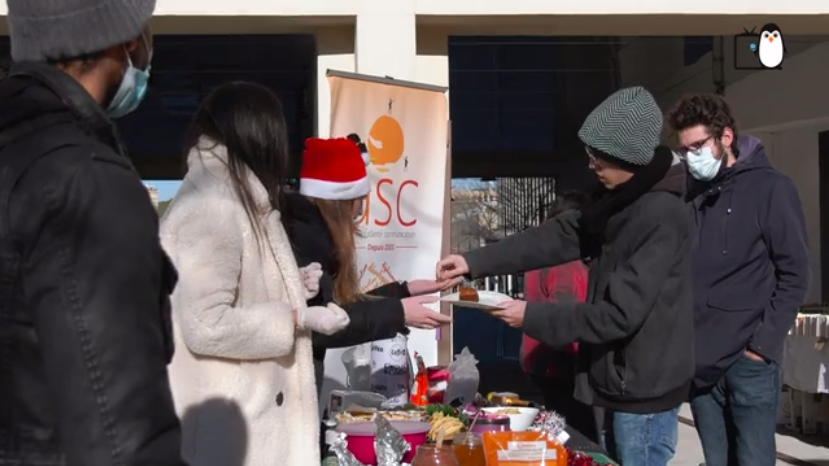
(333, 169)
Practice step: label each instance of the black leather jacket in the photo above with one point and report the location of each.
(84, 287)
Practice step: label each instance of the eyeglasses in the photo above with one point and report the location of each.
(694, 148)
(592, 158)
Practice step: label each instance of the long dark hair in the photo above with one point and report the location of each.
(247, 119)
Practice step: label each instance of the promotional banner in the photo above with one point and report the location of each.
(404, 126)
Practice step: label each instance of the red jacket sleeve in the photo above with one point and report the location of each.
(567, 282)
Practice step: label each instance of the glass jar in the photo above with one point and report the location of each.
(469, 449)
(492, 424)
(431, 455)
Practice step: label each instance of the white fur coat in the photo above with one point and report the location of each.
(242, 375)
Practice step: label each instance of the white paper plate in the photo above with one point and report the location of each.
(487, 300)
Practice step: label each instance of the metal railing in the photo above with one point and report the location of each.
(509, 206)
(523, 203)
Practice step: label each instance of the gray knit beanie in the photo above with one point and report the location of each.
(626, 126)
(43, 30)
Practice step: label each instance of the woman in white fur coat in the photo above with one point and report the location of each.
(242, 375)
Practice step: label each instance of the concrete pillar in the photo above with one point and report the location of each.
(335, 51)
(385, 41)
(432, 60)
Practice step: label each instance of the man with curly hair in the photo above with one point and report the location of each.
(751, 274)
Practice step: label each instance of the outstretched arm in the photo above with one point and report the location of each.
(370, 320)
(397, 290)
(554, 242)
(632, 292)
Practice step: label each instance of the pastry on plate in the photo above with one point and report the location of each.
(469, 294)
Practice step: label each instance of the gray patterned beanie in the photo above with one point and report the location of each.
(43, 30)
(626, 126)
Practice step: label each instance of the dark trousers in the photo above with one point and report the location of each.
(737, 418)
(558, 396)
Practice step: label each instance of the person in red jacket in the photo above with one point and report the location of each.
(553, 369)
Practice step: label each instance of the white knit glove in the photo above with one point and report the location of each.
(326, 320)
(311, 279)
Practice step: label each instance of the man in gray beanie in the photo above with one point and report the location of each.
(635, 330)
(85, 326)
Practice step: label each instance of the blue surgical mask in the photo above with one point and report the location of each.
(132, 90)
(703, 165)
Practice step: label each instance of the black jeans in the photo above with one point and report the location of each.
(558, 396)
(737, 418)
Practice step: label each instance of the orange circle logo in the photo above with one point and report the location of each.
(385, 142)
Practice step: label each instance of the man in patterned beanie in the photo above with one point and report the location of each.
(635, 330)
(84, 307)
(622, 132)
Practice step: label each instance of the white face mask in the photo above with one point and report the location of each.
(703, 165)
(133, 86)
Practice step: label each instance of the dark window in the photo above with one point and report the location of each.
(697, 47)
(187, 68)
(502, 92)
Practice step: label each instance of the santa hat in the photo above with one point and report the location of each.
(333, 169)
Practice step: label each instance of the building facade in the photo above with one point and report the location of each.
(153, 192)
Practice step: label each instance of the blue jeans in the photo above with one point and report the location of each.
(643, 439)
(736, 419)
